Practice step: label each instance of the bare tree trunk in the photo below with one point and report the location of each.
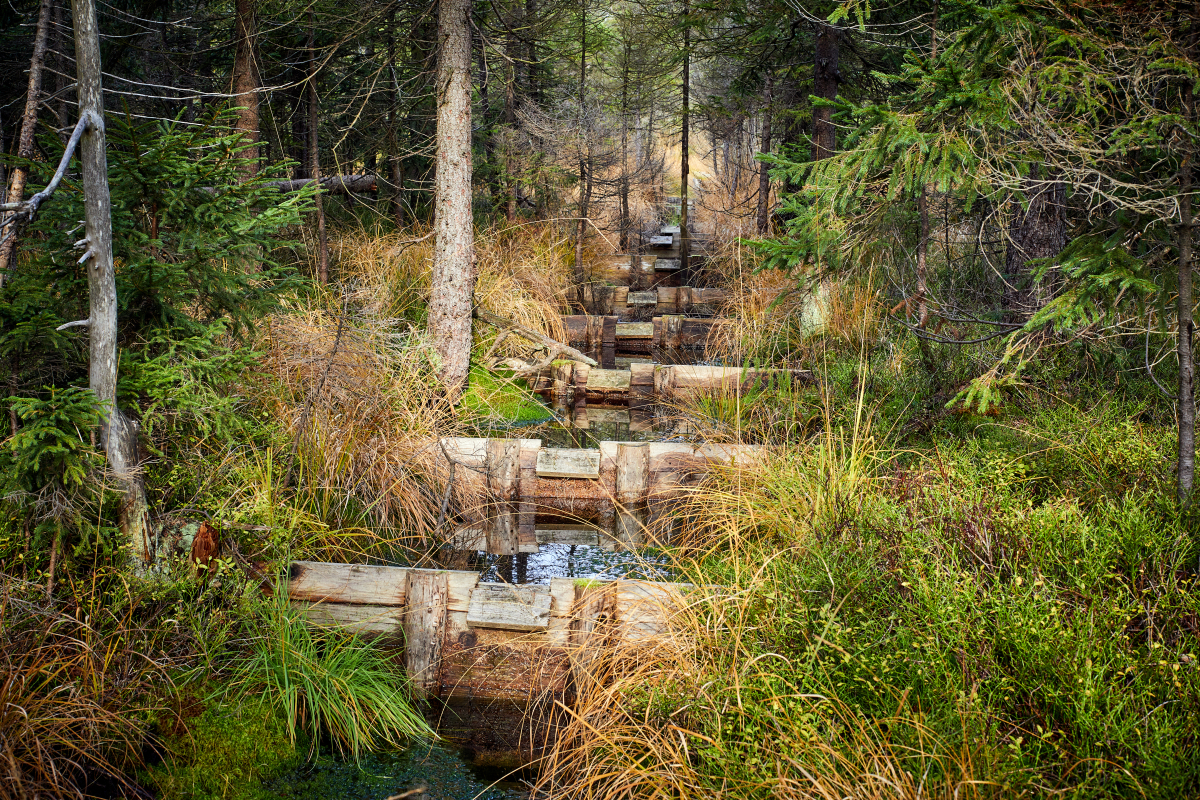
(923, 211)
(624, 185)
(314, 157)
(684, 236)
(826, 77)
(453, 258)
(60, 70)
(245, 84)
(1187, 361)
(395, 159)
(33, 98)
(118, 435)
(511, 49)
(764, 171)
(580, 224)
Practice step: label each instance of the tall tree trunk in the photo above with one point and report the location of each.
(33, 98)
(826, 77)
(118, 435)
(246, 83)
(923, 212)
(623, 188)
(453, 257)
(584, 147)
(685, 253)
(298, 151)
(512, 51)
(59, 46)
(395, 158)
(764, 170)
(314, 156)
(1186, 398)
(1036, 231)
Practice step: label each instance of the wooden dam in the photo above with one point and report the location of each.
(466, 639)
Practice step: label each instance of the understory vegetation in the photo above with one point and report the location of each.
(912, 601)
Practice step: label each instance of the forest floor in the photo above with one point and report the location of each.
(915, 600)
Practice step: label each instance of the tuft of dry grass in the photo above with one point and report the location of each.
(70, 699)
(524, 272)
(358, 399)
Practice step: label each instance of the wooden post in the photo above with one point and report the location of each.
(633, 470)
(641, 384)
(526, 508)
(581, 380)
(503, 470)
(672, 328)
(427, 593)
(609, 350)
(591, 628)
(684, 301)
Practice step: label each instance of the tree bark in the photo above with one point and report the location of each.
(1036, 231)
(118, 435)
(684, 236)
(764, 171)
(246, 83)
(453, 258)
(314, 158)
(580, 224)
(923, 212)
(623, 189)
(395, 158)
(826, 77)
(33, 98)
(1186, 398)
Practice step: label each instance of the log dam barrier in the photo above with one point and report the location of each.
(464, 638)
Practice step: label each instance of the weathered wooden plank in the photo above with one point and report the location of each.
(368, 620)
(635, 330)
(643, 609)
(508, 607)
(641, 299)
(667, 265)
(424, 623)
(632, 473)
(660, 241)
(601, 380)
(602, 415)
(318, 582)
(555, 462)
(568, 534)
(503, 665)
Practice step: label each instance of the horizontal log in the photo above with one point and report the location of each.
(635, 330)
(332, 184)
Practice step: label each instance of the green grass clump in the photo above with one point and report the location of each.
(329, 685)
(226, 752)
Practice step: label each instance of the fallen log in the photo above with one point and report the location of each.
(332, 184)
(537, 338)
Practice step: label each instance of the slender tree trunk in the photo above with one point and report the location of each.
(685, 253)
(246, 83)
(395, 159)
(623, 189)
(118, 435)
(59, 46)
(1187, 360)
(764, 171)
(299, 142)
(826, 77)
(580, 224)
(314, 156)
(511, 50)
(453, 260)
(923, 212)
(33, 98)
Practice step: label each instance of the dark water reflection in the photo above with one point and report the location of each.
(445, 772)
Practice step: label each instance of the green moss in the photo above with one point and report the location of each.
(499, 398)
(226, 752)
